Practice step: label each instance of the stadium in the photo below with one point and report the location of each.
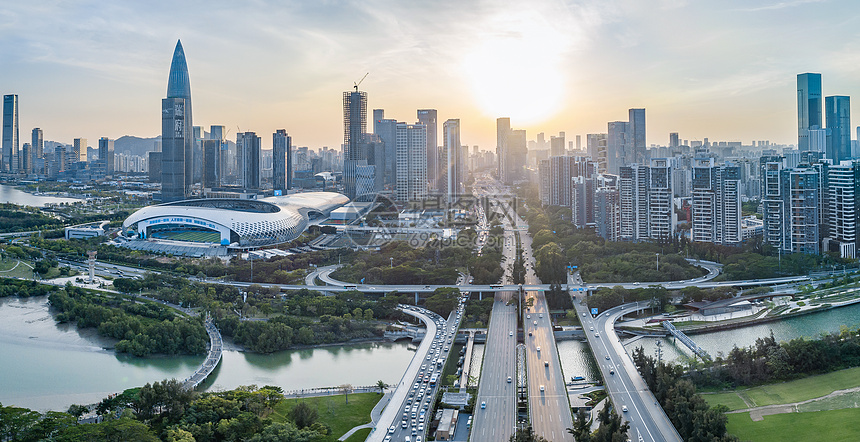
(215, 223)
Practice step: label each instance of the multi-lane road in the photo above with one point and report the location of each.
(627, 389)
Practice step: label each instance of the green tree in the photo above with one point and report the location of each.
(303, 415)
(381, 386)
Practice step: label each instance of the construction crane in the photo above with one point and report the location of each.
(355, 85)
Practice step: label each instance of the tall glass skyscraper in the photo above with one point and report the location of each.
(808, 107)
(177, 140)
(10, 134)
(837, 111)
(428, 118)
(281, 161)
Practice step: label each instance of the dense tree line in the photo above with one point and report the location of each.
(166, 411)
(142, 329)
(769, 360)
(19, 219)
(487, 269)
(605, 298)
(691, 415)
(399, 263)
(24, 288)
(612, 427)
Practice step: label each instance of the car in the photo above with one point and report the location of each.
(540, 315)
(538, 348)
(611, 371)
(546, 363)
(528, 316)
(404, 424)
(624, 408)
(387, 439)
(509, 379)
(542, 388)
(391, 429)
(483, 405)
(591, 328)
(607, 357)
(597, 335)
(530, 333)
(510, 333)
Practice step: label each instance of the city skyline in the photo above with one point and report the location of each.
(567, 67)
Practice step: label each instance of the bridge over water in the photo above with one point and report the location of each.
(212, 358)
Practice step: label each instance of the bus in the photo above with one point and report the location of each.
(433, 380)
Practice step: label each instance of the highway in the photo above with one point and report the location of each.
(549, 406)
(648, 422)
(495, 415)
(412, 398)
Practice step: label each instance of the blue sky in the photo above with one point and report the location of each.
(719, 69)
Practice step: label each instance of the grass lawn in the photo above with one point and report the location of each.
(360, 435)
(788, 392)
(334, 411)
(12, 268)
(831, 426)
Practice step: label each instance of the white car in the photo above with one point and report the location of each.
(538, 348)
(542, 388)
(624, 408)
(510, 333)
(509, 379)
(391, 430)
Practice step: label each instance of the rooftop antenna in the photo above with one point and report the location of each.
(355, 85)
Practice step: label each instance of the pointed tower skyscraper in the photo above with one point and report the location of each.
(177, 137)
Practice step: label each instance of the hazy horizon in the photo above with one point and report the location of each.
(723, 70)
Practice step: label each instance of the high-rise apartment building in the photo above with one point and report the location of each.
(427, 117)
(596, 145)
(843, 203)
(808, 107)
(354, 128)
(607, 209)
(837, 112)
(716, 207)
(616, 146)
(646, 201)
(177, 137)
(248, 160)
(27, 156)
(386, 130)
(79, 147)
(635, 152)
(411, 148)
(455, 159)
(282, 162)
(556, 145)
(517, 154)
(11, 141)
(791, 199)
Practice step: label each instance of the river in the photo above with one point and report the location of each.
(9, 194)
(721, 342)
(49, 366)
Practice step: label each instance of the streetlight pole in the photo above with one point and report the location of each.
(658, 261)
(390, 262)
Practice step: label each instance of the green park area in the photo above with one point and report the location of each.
(834, 425)
(786, 392)
(335, 412)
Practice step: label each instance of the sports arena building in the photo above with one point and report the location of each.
(232, 223)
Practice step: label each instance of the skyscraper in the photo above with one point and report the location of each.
(838, 117)
(211, 163)
(411, 162)
(455, 172)
(248, 159)
(386, 130)
(37, 147)
(106, 155)
(716, 206)
(503, 131)
(282, 162)
(79, 147)
(354, 127)
(556, 145)
(427, 117)
(635, 152)
(10, 134)
(808, 107)
(177, 138)
(616, 145)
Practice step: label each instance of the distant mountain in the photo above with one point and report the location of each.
(131, 145)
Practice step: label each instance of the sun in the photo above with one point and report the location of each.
(518, 72)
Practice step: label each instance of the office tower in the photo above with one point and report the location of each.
(217, 132)
(211, 164)
(411, 162)
(456, 167)
(79, 147)
(282, 161)
(673, 140)
(10, 134)
(371, 180)
(106, 156)
(27, 155)
(579, 143)
(248, 156)
(177, 137)
(427, 117)
(616, 144)
(60, 161)
(561, 170)
(153, 161)
(517, 154)
(503, 130)
(37, 150)
(354, 127)
(635, 151)
(556, 145)
(716, 208)
(386, 130)
(843, 204)
(837, 111)
(808, 107)
(197, 154)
